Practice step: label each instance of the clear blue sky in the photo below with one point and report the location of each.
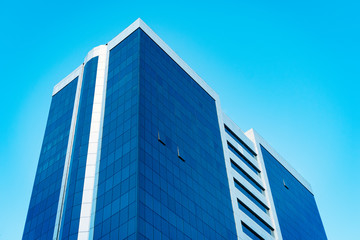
(290, 70)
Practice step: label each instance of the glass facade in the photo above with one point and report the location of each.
(186, 196)
(295, 206)
(41, 216)
(159, 170)
(72, 205)
(143, 183)
(116, 207)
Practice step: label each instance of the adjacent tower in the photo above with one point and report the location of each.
(137, 147)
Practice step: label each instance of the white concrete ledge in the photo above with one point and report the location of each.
(67, 80)
(253, 135)
(129, 30)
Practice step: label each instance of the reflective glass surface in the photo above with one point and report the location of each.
(116, 207)
(243, 158)
(256, 218)
(239, 170)
(75, 184)
(250, 232)
(162, 170)
(41, 216)
(250, 196)
(295, 206)
(239, 141)
(184, 197)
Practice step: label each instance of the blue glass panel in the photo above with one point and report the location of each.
(295, 206)
(255, 217)
(116, 207)
(244, 159)
(178, 199)
(41, 216)
(239, 141)
(72, 207)
(251, 196)
(239, 170)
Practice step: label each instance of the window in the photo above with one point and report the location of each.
(239, 141)
(251, 233)
(251, 214)
(244, 159)
(250, 196)
(246, 176)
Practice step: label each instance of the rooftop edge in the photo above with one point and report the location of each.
(251, 133)
(142, 25)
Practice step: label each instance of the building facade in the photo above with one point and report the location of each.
(137, 147)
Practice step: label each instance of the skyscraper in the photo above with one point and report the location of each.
(137, 147)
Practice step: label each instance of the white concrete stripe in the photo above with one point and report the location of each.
(250, 187)
(273, 214)
(140, 24)
(237, 130)
(94, 139)
(254, 226)
(250, 172)
(252, 134)
(67, 79)
(238, 147)
(264, 216)
(77, 73)
(97, 165)
(236, 194)
(232, 188)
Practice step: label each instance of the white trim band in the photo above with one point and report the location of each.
(94, 139)
(254, 136)
(77, 73)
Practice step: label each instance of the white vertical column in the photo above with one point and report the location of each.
(77, 73)
(94, 142)
(240, 234)
(253, 136)
(93, 209)
(235, 194)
